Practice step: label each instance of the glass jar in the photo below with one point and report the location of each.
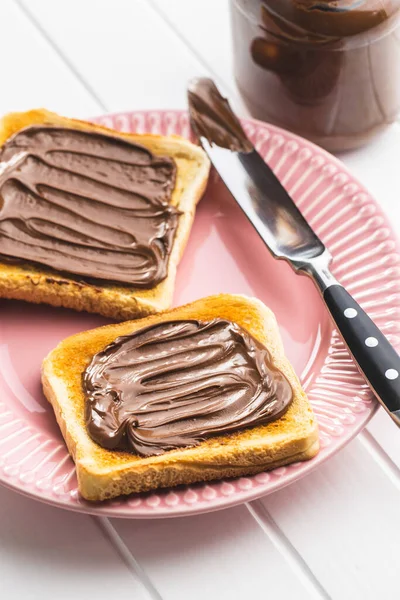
(327, 70)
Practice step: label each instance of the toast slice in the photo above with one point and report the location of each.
(40, 285)
(103, 474)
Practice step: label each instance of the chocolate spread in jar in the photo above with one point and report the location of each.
(328, 70)
(88, 204)
(176, 383)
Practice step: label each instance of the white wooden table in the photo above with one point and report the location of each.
(336, 533)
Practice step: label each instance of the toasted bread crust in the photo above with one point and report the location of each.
(38, 285)
(104, 474)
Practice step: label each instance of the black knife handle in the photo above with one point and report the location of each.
(375, 356)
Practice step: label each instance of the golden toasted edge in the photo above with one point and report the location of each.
(38, 285)
(104, 474)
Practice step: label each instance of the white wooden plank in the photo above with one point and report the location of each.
(377, 167)
(205, 28)
(217, 555)
(122, 49)
(32, 74)
(386, 433)
(343, 520)
(49, 553)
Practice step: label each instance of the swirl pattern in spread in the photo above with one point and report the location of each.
(176, 383)
(88, 204)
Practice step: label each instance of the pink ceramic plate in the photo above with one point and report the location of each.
(223, 255)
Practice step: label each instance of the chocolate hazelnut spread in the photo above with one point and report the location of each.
(328, 70)
(176, 383)
(212, 117)
(88, 204)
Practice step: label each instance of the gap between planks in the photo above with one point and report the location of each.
(110, 533)
(28, 14)
(288, 552)
(380, 456)
(196, 55)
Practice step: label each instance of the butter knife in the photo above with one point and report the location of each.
(286, 233)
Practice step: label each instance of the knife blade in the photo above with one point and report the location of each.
(288, 236)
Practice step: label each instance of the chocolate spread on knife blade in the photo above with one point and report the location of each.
(174, 384)
(88, 204)
(212, 117)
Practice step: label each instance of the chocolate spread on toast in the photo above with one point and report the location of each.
(86, 203)
(176, 383)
